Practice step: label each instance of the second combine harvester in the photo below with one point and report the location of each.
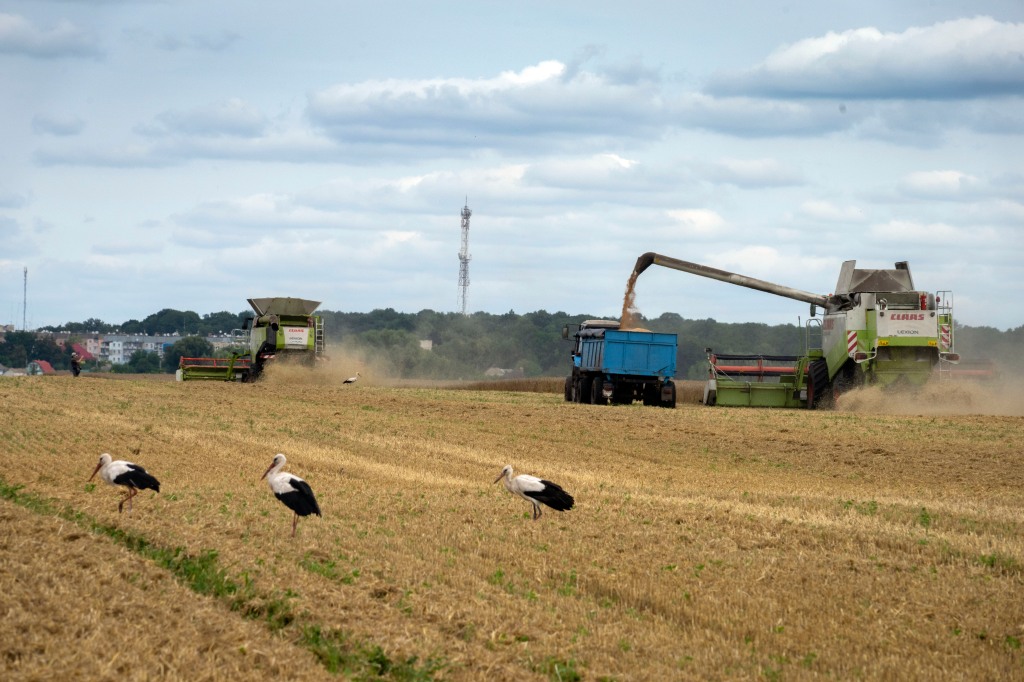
(282, 328)
(877, 329)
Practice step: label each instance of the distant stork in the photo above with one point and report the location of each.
(292, 490)
(536, 490)
(131, 476)
(352, 380)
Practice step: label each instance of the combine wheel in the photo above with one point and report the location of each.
(819, 391)
(568, 389)
(844, 381)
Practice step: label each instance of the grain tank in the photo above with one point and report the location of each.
(877, 327)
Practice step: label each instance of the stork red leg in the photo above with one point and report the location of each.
(132, 492)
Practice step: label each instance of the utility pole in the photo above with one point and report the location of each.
(24, 303)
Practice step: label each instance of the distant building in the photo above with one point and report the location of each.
(117, 349)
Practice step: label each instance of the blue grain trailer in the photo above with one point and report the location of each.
(620, 366)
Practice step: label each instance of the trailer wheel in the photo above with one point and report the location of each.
(818, 388)
(568, 389)
(596, 395)
(584, 390)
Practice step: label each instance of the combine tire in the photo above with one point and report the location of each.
(568, 389)
(844, 381)
(819, 391)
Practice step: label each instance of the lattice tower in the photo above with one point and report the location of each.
(464, 258)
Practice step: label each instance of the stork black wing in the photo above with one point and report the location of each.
(137, 477)
(300, 500)
(553, 496)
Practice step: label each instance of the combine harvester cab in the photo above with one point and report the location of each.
(283, 329)
(620, 366)
(877, 329)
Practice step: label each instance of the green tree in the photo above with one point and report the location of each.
(188, 347)
(222, 322)
(169, 321)
(20, 348)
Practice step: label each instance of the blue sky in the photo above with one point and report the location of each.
(192, 155)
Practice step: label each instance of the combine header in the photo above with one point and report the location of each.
(876, 329)
(283, 328)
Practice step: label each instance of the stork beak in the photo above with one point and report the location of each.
(95, 470)
(266, 472)
(500, 476)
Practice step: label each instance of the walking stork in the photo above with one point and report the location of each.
(352, 380)
(536, 491)
(133, 477)
(292, 490)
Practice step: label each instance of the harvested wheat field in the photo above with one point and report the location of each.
(706, 543)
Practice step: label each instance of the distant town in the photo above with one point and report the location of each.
(98, 349)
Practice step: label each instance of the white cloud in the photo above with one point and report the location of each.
(18, 36)
(698, 222)
(526, 108)
(943, 185)
(958, 59)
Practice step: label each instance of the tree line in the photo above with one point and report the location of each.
(466, 346)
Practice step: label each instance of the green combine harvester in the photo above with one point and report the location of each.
(283, 329)
(876, 329)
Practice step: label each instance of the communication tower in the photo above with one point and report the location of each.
(464, 258)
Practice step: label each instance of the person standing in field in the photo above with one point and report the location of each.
(76, 363)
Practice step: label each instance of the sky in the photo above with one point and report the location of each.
(191, 155)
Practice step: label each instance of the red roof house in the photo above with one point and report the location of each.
(40, 367)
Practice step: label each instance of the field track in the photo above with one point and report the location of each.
(706, 543)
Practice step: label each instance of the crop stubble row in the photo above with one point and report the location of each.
(709, 542)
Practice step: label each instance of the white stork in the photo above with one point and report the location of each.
(352, 380)
(131, 476)
(292, 490)
(535, 491)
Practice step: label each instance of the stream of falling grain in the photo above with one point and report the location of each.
(629, 311)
